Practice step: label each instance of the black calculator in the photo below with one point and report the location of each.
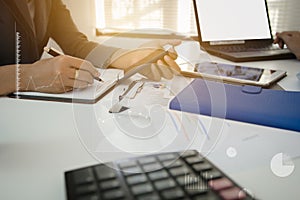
(175, 175)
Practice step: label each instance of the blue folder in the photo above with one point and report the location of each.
(276, 108)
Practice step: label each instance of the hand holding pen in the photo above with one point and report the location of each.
(151, 60)
(59, 74)
(53, 52)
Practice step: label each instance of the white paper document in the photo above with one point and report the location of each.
(91, 94)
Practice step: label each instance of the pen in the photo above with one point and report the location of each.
(53, 52)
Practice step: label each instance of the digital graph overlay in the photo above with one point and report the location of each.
(18, 60)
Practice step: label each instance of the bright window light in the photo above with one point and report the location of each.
(173, 15)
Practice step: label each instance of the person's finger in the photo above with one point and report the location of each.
(77, 74)
(84, 76)
(164, 70)
(172, 53)
(87, 66)
(80, 84)
(64, 81)
(75, 83)
(281, 43)
(151, 72)
(170, 62)
(276, 40)
(78, 63)
(279, 39)
(156, 76)
(285, 38)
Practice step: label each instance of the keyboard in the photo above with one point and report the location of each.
(248, 48)
(176, 175)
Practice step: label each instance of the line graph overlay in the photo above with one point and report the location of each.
(18, 60)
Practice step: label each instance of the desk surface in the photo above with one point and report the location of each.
(40, 140)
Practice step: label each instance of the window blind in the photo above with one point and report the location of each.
(177, 16)
(173, 16)
(284, 15)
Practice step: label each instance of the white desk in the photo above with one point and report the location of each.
(40, 140)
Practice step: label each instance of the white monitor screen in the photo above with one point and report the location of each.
(223, 20)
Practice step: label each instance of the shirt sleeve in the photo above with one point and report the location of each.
(100, 56)
(64, 31)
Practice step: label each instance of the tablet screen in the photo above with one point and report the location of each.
(227, 70)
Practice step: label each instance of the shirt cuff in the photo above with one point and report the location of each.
(100, 56)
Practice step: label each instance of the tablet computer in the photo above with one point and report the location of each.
(233, 73)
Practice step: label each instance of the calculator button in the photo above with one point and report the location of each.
(105, 185)
(211, 174)
(207, 196)
(89, 197)
(219, 184)
(195, 185)
(126, 164)
(169, 156)
(164, 184)
(83, 176)
(151, 196)
(147, 160)
(194, 160)
(189, 153)
(196, 188)
(152, 167)
(132, 171)
(197, 192)
(136, 179)
(179, 171)
(172, 163)
(232, 193)
(202, 167)
(142, 189)
(113, 194)
(158, 175)
(181, 180)
(173, 193)
(104, 172)
(86, 189)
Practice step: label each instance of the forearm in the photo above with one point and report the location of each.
(15, 78)
(8, 81)
(297, 53)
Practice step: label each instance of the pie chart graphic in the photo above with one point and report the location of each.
(231, 152)
(282, 165)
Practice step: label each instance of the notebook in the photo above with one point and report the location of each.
(237, 30)
(88, 95)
